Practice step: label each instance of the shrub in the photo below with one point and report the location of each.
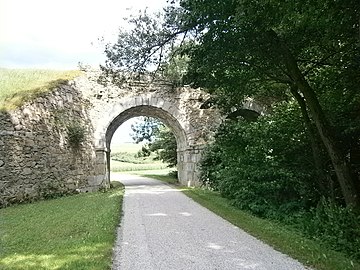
(76, 134)
(266, 168)
(337, 226)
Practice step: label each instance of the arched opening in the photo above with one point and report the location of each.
(154, 112)
(143, 144)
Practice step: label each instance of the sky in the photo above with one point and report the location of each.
(58, 34)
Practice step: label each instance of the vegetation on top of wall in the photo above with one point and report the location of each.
(20, 85)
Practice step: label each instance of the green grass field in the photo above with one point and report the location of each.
(131, 148)
(20, 85)
(76, 232)
(117, 166)
(123, 159)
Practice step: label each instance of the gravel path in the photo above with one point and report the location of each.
(162, 229)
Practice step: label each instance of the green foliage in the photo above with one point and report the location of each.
(175, 69)
(116, 166)
(262, 172)
(146, 46)
(131, 161)
(76, 135)
(334, 225)
(265, 49)
(161, 140)
(271, 174)
(165, 146)
(278, 53)
(131, 158)
(76, 232)
(145, 130)
(144, 152)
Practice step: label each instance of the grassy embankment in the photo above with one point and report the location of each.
(20, 85)
(282, 238)
(75, 232)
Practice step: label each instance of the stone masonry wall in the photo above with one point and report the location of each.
(36, 159)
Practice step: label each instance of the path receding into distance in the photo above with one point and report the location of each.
(162, 229)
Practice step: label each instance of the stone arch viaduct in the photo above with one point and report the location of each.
(178, 108)
(38, 161)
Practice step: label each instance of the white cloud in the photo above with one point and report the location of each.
(60, 33)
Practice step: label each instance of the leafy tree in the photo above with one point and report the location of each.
(161, 140)
(145, 130)
(282, 50)
(286, 43)
(271, 174)
(262, 173)
(165, 146)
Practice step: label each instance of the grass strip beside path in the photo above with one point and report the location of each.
(279, 236)
(282, 238)
(76, 232)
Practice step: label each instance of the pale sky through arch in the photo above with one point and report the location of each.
(54, 34)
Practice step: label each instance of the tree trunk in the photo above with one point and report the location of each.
(314, 143)
(338, 159)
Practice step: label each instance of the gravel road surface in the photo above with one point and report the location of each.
(162, 229)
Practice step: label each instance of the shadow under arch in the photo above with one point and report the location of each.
(155, 112)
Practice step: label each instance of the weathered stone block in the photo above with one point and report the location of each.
(27, 171)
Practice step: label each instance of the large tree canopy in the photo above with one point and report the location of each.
(271, 50)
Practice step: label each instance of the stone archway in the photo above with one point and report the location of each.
(178, 108)
(158, 113)
(191, 136)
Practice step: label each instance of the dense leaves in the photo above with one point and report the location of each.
(271, 173)
(160, 140)
(262, 172)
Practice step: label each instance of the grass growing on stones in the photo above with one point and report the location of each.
(76, 232)
(20, 85)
